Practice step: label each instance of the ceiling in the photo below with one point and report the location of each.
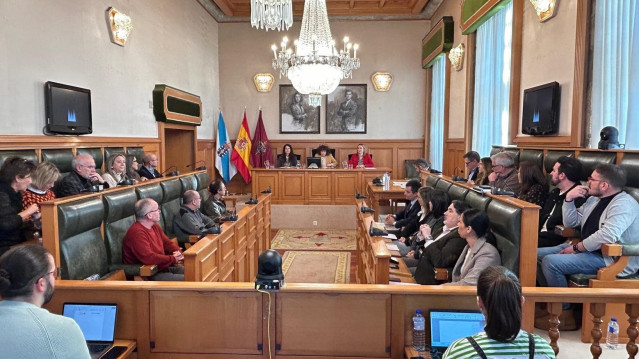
(240, 10)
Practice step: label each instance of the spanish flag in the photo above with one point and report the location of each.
(242, 151)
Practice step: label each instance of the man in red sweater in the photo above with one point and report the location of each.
(146, 243)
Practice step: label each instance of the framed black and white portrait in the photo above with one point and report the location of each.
(346, 109)
(296, 115)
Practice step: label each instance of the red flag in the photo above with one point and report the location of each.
(261, 146)
(242, 151)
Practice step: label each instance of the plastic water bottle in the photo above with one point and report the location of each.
(612, 339)
(419, 331)
(386, 181)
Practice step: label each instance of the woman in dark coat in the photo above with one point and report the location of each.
(15, 177)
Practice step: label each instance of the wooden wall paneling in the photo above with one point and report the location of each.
(227, 254)
(241, 244)
(206, 154)
(207, 268)
(582, 66)
(364, 322)
(515, 68)
(345, 185)
(320, 187)
(232, 322)
(264, 181)
(454, 149)
(403, 154)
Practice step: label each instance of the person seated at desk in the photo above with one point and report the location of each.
(116, 170)
(27, 282)
(361, 159)
(471, 162)
(15, 177)
(326, 156)
(149, 167)
(214, 206)
(407, 244)
(533, 184)
(132, 167)
(409, 214)
(189, 220)
(504, 173)
(287, 158)
(480, 251)
(146, 243)
(500, 299)
(42, 180)
(485, 168)
(81, 179)
(444, 248)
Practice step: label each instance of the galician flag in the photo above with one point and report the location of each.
(242, 151)
(223, 152)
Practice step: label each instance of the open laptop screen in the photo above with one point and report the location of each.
(97, 321)
(447, 325)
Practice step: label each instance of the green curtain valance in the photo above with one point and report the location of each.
(438, 41)
(476, 12)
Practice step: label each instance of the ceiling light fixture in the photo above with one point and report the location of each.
(316, 67)
(271, 14)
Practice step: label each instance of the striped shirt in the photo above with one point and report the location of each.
(518, 349)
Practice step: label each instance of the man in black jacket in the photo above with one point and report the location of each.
(81, 179)
(565, 175)
(409, 214)
(149, 167)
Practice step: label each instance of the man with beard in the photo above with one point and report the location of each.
(27, 279)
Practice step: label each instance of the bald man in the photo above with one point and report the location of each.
(189, 220)
(81, 179)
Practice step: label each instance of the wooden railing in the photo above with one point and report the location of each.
(373, 258)
(232, 255)
(317, 320)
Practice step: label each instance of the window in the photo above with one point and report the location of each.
(491, 116)
(438, 95)
(615, 71)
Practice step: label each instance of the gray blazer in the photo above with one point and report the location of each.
(483, 255)
(619, 223)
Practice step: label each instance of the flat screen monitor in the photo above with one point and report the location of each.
(541, 110)
(68, 109)
(316, 160)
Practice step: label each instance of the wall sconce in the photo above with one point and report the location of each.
(545, 8)
(456, 57)
(120, 26)
(263, 82)
(382, 81)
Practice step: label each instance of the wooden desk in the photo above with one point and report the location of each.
(313, 186)
(373, 258)
(129, 344)
(377, 194)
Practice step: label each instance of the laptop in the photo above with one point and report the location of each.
(97, 322)
(448, 325)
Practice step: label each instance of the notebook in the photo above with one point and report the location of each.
(97, 322)
(447, 325)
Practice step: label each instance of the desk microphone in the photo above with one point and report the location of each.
(458, 178)
(268, 190)
(432, 170)
(366, 210)
(171, 174)
(201, 168)
(251, 201)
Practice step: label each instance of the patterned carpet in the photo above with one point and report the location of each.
(314, 240)
(316, 267)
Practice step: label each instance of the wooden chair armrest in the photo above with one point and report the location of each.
(610, 272)
(193, 238)
(148, 270)
(613, 250)
(116, 275)
(441, 274)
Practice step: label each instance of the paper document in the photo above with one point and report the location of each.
(401, 184)
(392, 247)
(390, 236)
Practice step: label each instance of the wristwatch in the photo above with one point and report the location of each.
(575, 247)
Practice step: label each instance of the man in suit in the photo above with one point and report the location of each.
(471, 161)
(409, 214)
(442, 248)
(149, 167)
(347, 110)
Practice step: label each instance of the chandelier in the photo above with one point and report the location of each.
(315, 67)
(271, 14)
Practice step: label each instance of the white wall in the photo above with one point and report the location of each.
(172, 42)
(384, 46)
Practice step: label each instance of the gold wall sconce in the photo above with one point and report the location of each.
(456, 57)
(120, 25)
(263, 82)
(545, 8)
(382, 81)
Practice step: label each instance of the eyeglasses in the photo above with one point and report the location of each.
(57, 272)
(154, 210)
(590, 179)
(495, 166)
(89, 167)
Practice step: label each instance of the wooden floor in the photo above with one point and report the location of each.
(353, 276)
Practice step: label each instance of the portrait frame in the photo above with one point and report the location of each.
(355, 110)
(308, 117)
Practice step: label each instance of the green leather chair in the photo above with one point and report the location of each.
(30, 155)
(432, 181)
(138, 152)
(61, 158)
(98, 158)
(82, 249)
(505, 222)
(172, 199)
(203, 181)
(110, 151)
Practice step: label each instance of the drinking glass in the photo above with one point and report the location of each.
(267, 164)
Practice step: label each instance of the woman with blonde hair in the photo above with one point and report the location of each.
(42, 180)
(116, 170)
(361, 159)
